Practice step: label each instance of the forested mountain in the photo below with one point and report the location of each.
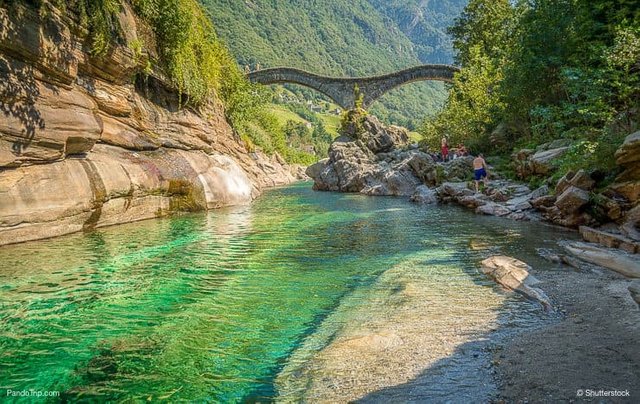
(354, 38)
(425, 23)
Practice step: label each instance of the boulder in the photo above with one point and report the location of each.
(424, 167)
(616, 260)
(543, 202)
(629, 153)
(580, 180)
(459, 169)
(514, 275)
(424, 195)
(540, 192)
(631, 224)
(542, 162)
(493, 209)
(379, 138)
(572, 200)
(520, 203)
(454, 190)
(610, 240)
(627, 183)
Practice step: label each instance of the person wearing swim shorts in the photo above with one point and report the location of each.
(480, 171)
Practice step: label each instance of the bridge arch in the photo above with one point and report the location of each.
(341, 90)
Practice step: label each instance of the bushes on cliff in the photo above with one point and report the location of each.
(189, 55)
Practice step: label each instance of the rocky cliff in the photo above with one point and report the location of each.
(85, 144)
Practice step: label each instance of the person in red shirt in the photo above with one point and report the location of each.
(444, 149)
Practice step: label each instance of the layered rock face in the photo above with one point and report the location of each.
(82, 145)
(628, 157)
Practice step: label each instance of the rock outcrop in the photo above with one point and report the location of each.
(529, 162)
(500, 198)
(613, 259)
(514, 275)
(84, 145)
(628, 157)
(379, 161)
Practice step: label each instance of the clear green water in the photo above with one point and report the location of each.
(210, 307)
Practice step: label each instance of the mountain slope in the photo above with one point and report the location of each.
(425, 23)
(344, 38)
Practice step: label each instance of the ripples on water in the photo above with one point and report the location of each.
(214, 306)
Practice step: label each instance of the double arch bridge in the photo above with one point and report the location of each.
(342, 90)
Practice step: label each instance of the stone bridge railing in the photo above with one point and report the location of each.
(342, 90)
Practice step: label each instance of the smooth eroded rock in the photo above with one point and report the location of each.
(616, 260)
(514, 275)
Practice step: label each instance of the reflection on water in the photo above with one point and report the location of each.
(214, 306)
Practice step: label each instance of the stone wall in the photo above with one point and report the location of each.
(83, 145)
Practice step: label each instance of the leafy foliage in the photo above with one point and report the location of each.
(542, 70)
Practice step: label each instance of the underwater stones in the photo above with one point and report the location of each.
(634, 289)
(376, 342)
(513, 274)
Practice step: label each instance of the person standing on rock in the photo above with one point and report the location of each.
(480, 171)
(444, 148)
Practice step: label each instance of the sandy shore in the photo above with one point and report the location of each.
(595, 345)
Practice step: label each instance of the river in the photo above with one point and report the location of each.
(273, 301)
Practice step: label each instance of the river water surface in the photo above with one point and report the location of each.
(300, 296)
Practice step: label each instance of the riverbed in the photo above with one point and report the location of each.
(301, 296)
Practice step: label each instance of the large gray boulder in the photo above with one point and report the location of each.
(514, 275)
(425, 195)
(373, 164)
(379, 138)
(572, 200)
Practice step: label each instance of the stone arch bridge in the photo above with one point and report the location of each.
(342, 90)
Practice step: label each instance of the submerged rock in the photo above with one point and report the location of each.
(514, 275)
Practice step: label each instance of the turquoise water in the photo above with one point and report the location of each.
(212, 306)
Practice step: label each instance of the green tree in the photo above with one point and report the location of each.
(482, 43)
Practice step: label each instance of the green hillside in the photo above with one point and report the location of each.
(343, 38)
(425, 23)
